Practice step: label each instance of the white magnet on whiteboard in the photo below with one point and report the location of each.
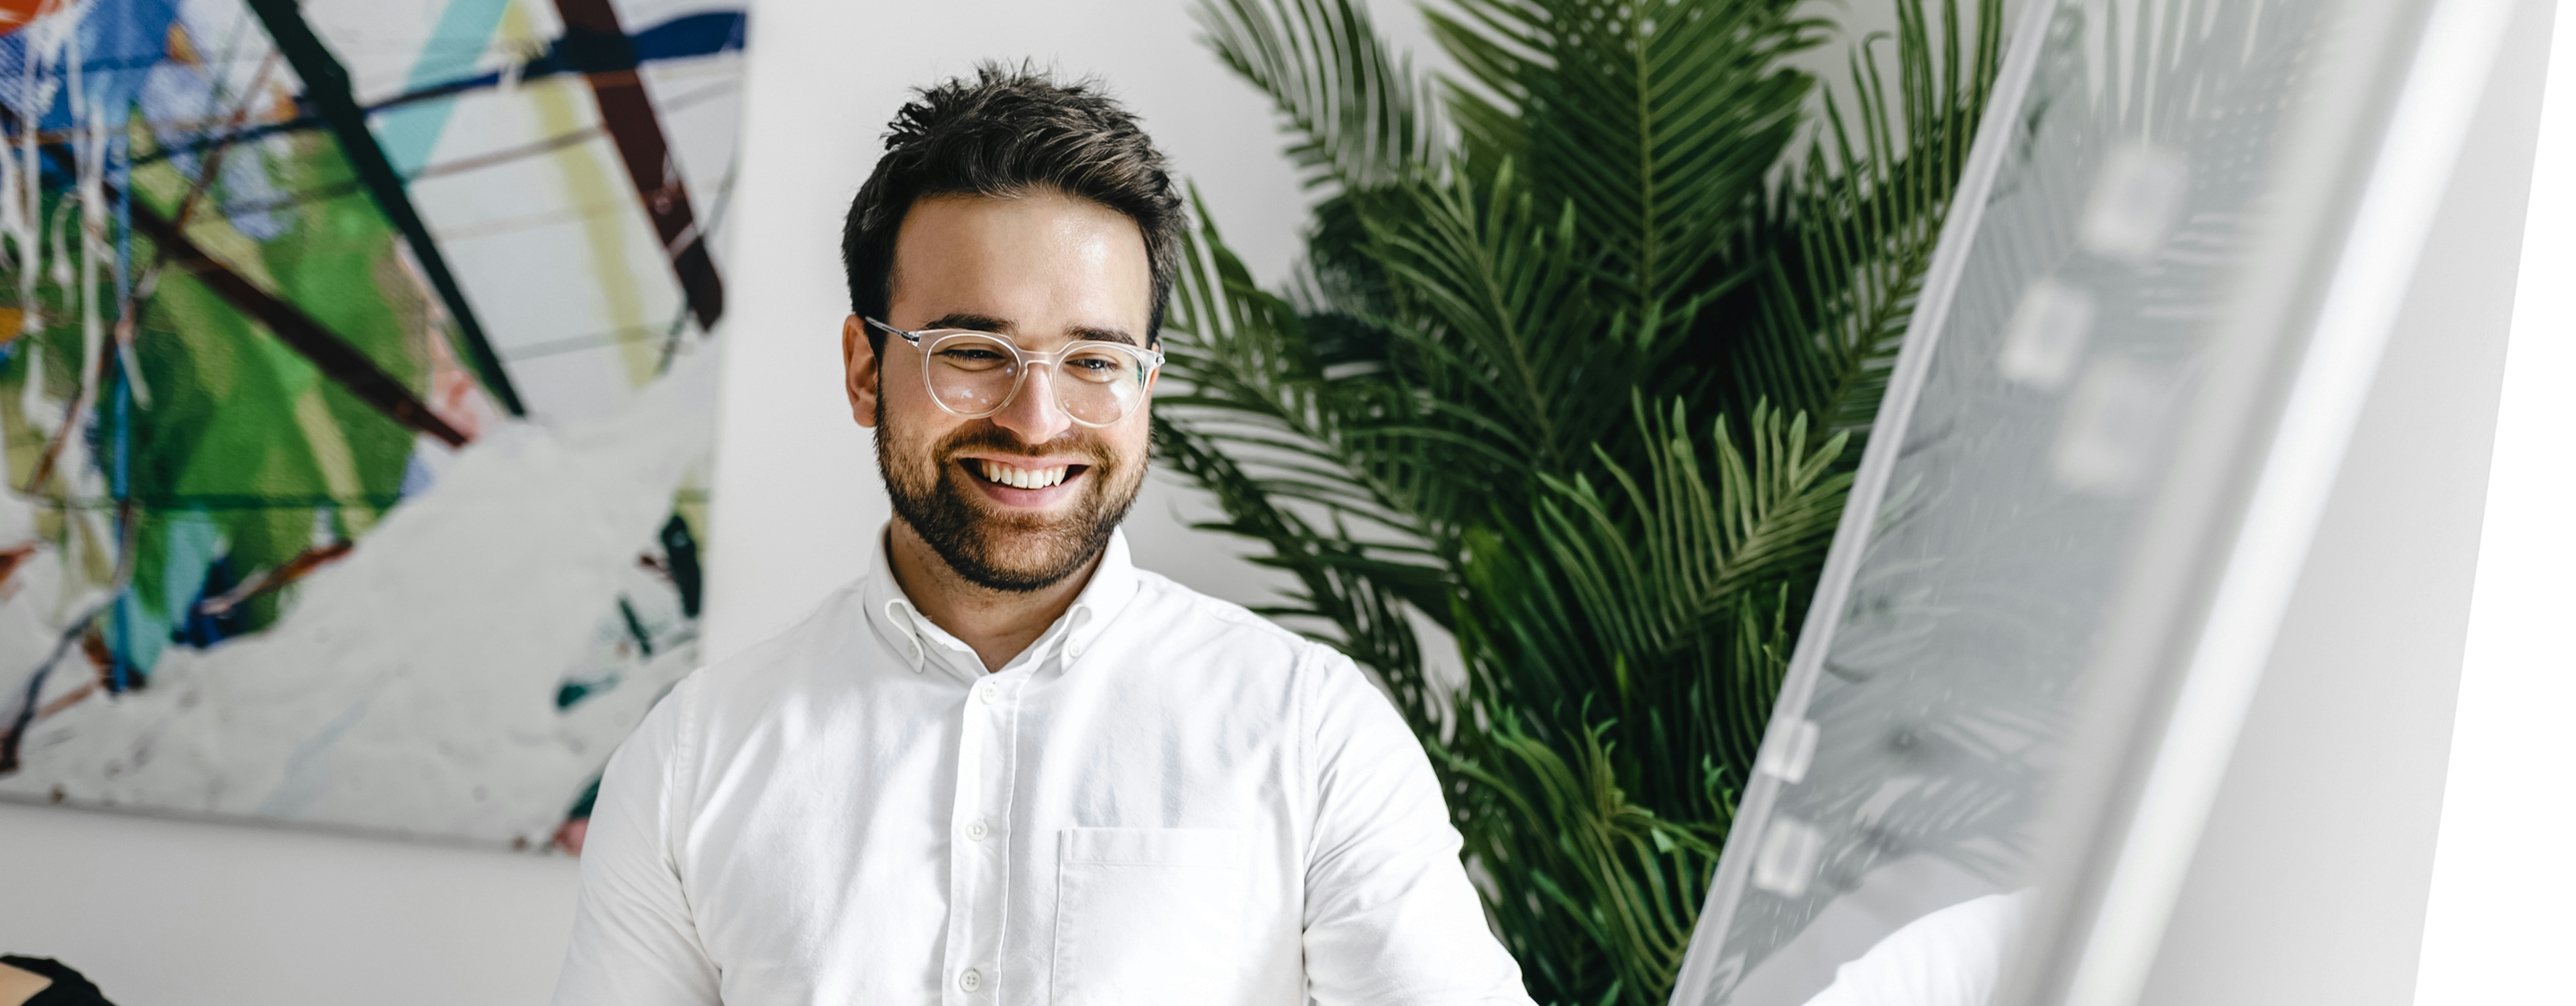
(2046, 335)
(1787, 751)
(2113, 421)
(1788, 857)
(2134, 203)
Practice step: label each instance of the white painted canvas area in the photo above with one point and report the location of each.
(412, 688)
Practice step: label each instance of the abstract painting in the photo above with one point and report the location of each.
(356, 384)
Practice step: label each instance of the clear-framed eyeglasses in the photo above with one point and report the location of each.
(975, 374)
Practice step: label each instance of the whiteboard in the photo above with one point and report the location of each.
(2156, 308)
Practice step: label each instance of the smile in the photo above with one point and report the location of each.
(1021, 478)
(1031, 483)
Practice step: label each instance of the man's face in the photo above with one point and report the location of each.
(1042, 270)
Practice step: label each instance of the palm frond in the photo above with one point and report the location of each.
(1496, 312)
(1675, 583)
(1247, 374)
(1658, 121)
(1691, 545)
(1361, 118)
(1599, 867)
(1858, 222)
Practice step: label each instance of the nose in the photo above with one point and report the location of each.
(1033, 414)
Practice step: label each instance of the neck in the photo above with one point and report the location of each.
(996, 624)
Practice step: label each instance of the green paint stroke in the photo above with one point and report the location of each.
(236, 416)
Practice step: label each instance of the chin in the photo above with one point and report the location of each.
(1018, 549)
(1025, 554)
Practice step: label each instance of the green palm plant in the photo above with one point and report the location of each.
(1572, 370)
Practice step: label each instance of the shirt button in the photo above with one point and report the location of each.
(1073, 650)
(985, 692)
(970, 979)
(976, 831)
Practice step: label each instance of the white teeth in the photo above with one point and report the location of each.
(1024, 478)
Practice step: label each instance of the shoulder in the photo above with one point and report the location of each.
(1205, 644)
(1176, 616)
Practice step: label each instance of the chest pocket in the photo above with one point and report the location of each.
(1148, 915)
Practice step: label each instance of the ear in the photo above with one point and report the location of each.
(860, 368)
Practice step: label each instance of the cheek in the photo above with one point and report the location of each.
(913, 426)
(906, 402)
(1132, 441)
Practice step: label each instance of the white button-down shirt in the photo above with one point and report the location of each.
(1165, 799)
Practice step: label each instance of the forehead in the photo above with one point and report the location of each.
(1044, 262)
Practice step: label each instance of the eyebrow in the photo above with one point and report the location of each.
(1103, 334)
(1003, 326)
(977, 322)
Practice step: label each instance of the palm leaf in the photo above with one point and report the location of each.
(1658, 121)
(1361, 118)
(1598, 866)
(1693, 545)
(1856, 225)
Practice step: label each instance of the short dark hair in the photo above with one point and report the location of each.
(1010, 132)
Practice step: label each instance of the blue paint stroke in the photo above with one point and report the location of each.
(689, 36)
(192, 546)
(454, 49)
(119, 42)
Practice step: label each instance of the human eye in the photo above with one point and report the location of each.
(1097, 366)
(972, 356)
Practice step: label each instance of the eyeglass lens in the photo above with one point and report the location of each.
(973, 374)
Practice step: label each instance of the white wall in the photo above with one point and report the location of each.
(2498, 928)
(181, 913)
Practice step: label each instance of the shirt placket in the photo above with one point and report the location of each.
(978, 864)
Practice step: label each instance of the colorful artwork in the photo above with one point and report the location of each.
(356, 399)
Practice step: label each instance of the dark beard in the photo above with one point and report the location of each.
(968, 539)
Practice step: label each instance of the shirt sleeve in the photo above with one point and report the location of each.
(1390, 915)
(1952, 957)
(633, 942)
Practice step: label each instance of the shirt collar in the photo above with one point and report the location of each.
(912, 635)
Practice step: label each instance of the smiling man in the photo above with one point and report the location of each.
(1007, 766)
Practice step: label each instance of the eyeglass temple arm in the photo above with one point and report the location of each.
(911, 337)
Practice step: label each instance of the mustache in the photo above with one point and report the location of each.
(1001, 441)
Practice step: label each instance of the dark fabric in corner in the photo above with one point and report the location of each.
(69, 987)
